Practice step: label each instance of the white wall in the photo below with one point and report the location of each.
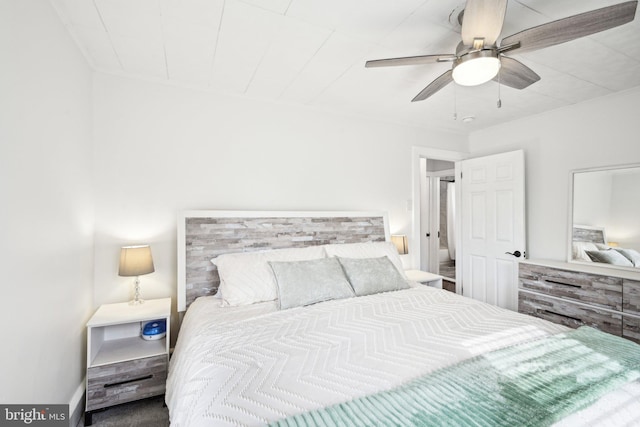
(592, 193)
(624, 226)
(161, 149)
(47, 209)
(598, 133)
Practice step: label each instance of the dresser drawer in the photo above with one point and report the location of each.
(631, 328)
(592, 289)
(631, 297)
(568, 313)
(122, 382)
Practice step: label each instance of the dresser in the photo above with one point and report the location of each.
(574, 295)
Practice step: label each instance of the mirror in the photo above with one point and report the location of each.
(605, 218)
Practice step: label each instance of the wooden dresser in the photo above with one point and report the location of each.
(576, 295)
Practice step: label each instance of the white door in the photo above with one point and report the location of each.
(492, 227)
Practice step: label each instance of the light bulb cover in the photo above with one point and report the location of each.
(476, 67)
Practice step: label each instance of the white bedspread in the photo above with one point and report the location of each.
(252, 365)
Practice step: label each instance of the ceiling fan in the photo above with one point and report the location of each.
(479, 58)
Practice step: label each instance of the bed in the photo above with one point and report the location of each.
(391, 353)
(589, 244)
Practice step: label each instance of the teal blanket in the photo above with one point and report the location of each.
(532, 384)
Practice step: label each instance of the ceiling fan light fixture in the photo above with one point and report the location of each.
(476, 67)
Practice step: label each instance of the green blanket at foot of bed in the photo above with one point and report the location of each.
(532, 384)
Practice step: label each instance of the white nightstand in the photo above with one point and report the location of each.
(121, 365)
(430, 279)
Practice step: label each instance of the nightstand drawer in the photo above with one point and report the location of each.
(592, 289)
(122, 382)
(569, 314)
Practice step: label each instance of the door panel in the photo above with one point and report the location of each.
(492, 224)
(478, 274)
(504, 219)
(478, 220)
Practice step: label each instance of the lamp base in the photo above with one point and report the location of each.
(136, 295)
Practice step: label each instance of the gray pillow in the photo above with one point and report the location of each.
(308, 282)
(631, 254)
(372, 275)
(609, 257)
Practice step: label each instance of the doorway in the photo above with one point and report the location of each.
(438, 222)
(489, 226)
(434, 218)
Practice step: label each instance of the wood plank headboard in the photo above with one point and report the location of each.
(587, 233)
(203, 235)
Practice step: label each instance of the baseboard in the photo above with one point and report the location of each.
(76, 405)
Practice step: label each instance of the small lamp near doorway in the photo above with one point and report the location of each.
(136, 261)
(400, 241)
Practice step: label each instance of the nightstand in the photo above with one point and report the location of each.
(121, 365)
(430, 279)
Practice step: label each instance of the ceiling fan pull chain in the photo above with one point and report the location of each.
(455, 104)
(499, 103)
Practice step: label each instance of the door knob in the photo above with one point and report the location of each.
(516, 254)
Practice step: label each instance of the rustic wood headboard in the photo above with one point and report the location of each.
(586, 233)
(203, 235)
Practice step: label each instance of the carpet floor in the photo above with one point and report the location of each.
(149, 412)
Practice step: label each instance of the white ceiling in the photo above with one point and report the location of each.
(312, 52)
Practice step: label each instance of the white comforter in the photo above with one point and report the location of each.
(252, 365)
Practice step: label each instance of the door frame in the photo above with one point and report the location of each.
(418, 153)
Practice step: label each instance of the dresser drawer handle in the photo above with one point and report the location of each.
(555, 282)
(146, 377)
(562, 315)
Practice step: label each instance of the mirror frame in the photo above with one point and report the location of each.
(570, 259)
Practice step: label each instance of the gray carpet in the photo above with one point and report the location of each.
(142, 413)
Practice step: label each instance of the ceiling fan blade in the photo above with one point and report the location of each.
(573, 27)
(440, 82)
(515, 74)
(409, 60)
(483, 19)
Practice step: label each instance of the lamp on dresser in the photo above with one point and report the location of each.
(136, 261)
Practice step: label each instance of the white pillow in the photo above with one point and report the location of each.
(579, 248)
(367, 250)
(247, 278)
(631, 254)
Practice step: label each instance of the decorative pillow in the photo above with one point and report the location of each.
(308, 282)
(609, 257)
(372, 275)
(579, 248)
(631, 254)
(602, 246)
(247, 278)
(367, 250)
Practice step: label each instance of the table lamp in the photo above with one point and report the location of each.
(136, 261)
(400, 241)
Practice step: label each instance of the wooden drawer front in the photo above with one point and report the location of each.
(569, 314)
(631, 328)
(592, 289)
(631, 297)
(122, 382)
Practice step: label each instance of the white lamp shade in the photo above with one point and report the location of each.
(401, 243)
(135, 261)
